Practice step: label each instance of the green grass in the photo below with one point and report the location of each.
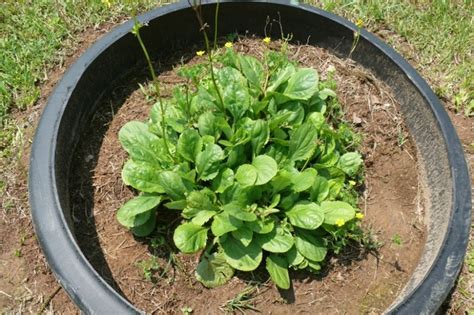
(440, 31)
(33, 37)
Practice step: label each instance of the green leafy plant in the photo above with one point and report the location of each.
(253, 155)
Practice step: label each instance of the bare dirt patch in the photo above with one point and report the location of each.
(356, 281)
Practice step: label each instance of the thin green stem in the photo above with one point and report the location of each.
(197, 11)
(156, 84)
(216, 16)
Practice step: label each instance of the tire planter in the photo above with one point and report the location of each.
(73, 102)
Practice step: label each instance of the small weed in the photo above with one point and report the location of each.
(149, 268)
(186, 310)
(470, 260)
(243, 301)
(18, 253)
(397, 239)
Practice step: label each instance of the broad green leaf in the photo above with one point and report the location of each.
(141, 176)
(127, 214)
(175, 186)
(328, 160)
(279, 240)
(350, 163)
(282, 180)
(320, 189)
(189, 144)
(246, 175)
(303, 142)
(337, 210)
(317, 119)
(189, 237)
(294, 257)
(146, 228)
(208, 161)
(240, 257)
(203, 101)
(296, 110)
(302, 84)
(266, 169)
(224, 180)
(335, 186)
(304, 180)
(239, 212)
(259, 134)
(252, 69)
(314, 265)
(325, 93)
(224, 223)
(243, 234)
(277, 267)
(141, 144)
(176, 205)
(200, 204)
(279, 119)
(262, 226)
(288, 201)
(203, 216)
(213, 270)
(236, 156)
(309, 245)
(207, 125)
(306, 215)
(280, 77)
(234, 91)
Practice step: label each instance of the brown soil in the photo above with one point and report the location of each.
(353, 282)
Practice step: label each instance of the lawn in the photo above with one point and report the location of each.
(37, 36)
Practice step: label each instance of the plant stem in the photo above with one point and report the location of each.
(156, 84)
(216, 15)
(197, 11)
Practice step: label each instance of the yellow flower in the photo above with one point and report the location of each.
(107, 3)
(200, 53)
(267, 40)
(359, 216)
(228, 45)
(359, 23)
(340, 222)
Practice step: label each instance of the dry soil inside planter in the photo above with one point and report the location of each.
(352, 282)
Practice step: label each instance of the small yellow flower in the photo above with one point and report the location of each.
(340, 222)
(107, 3)
(359, 216)
(200, 53)
(228, 45)
(359, 23)
(267, 40)
(352, 183)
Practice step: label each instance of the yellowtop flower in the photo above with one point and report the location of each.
(107, 3)
(359, 23)
(267, 40)
(200, 53)
(228, 45)
(340, 222)
(359, 216)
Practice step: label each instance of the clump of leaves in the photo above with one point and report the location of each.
(252, 155)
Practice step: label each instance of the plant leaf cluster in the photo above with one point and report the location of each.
(258, 165)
